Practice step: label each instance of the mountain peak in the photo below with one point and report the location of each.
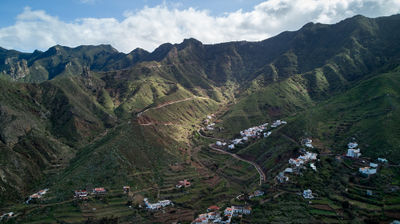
(189, 42)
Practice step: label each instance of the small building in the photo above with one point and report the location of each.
(367, 171)
(288, 170)
(282, 178)
(382, 160)
(296, 162)
(237, 141)
(256, 193)
(277, 123)
(218, 143)
(158, 205)
(239, 210)
(99, 190)
(213, 208)
(307, 194)
(308, 143)
(228, 211)
(353, 153)
(183, 183)
(312, 165)
(245, 138)
(266, 134)
(373, 165)
(231, 146)
(43, 192)
(81, 194)
(126, 189)
(6, 215)
(308, 156)
(352, 145)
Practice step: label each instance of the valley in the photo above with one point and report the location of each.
(196, 126)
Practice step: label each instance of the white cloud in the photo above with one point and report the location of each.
(150, 27)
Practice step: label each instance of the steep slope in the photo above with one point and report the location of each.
(367, 112)
(91, 116)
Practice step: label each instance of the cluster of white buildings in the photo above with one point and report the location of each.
(210, 217)
(297, 163)
(37, 195)
(303, 159)
(210, 126)
(214, 216)
(157, 205)
(237, 210)
(253, 132)
(352, 150)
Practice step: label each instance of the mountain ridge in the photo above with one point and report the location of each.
(70, 116)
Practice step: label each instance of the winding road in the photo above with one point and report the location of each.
(263, 176)
(172, 102)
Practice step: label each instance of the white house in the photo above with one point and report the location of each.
(296, 162)
(308, 156)
(288, 170)
(236, 141)
(231, 146)
(266, 134)
(218, 143)
(367, 171)
(354, 153)
(352, 145)
(313, 166)
(157, 205)
(307, 143)
(308, 194)
(373, 165)
(282, 178)
(382, 160)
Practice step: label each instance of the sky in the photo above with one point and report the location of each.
(26, 25)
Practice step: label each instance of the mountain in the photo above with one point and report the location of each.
(78, 118)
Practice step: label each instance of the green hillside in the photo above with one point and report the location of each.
(90, 116)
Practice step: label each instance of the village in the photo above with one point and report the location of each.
(307, 159)
(251, 133)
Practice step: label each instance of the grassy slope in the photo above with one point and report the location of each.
(368, 112)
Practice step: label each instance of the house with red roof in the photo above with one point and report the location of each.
(183, 183)
(99, 190)
(213, 208)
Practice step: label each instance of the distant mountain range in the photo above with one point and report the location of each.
(69, 116)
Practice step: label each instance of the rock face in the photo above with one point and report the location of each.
(15, 68)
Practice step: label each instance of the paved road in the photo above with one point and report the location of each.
(263, 177)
